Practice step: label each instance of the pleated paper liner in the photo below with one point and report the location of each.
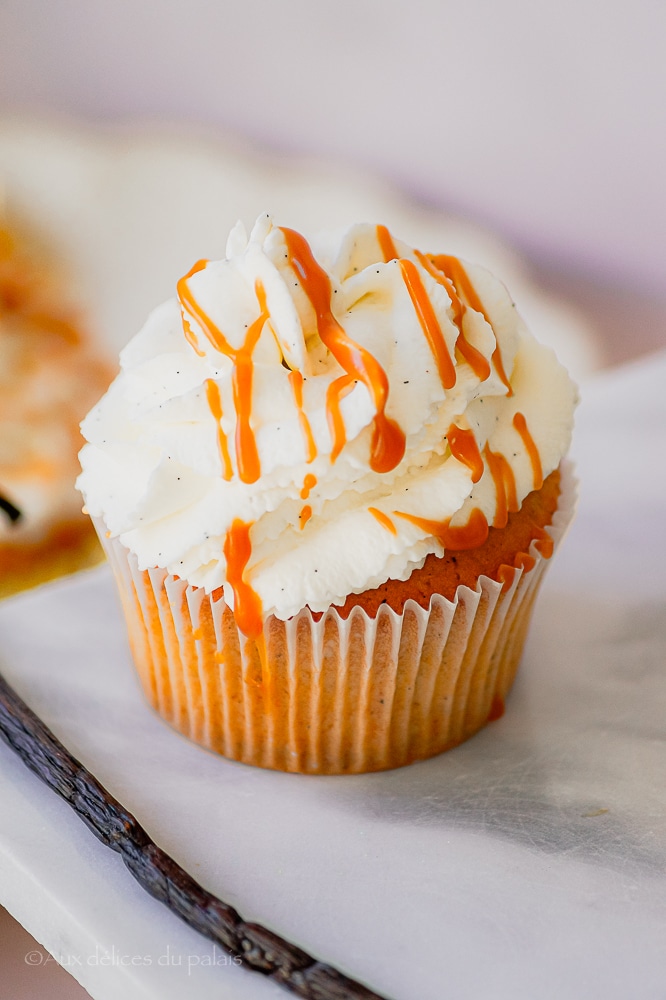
(332, 696)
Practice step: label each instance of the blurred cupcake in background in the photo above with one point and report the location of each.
(49, 376)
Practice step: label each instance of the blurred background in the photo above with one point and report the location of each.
(538, 130)
(541, 121)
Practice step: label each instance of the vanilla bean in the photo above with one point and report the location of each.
(257, 947)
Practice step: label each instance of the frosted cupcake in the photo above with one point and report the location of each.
(328, 479)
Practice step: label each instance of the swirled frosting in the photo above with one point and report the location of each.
(304, 421)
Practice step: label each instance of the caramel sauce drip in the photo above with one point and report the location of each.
(456, 273)
(520, 424)
(383, 519)
(296, 381)
(544, 543)
(248, 611)
(422, 306)
(335, 393)
(304, 516)
(506, 575)
(188, 303)
(474, 358)
(249, 468)
(386, 244)
(464, 447)
(247, 456)
(309, 483)
(215, 403)
(388, 439)
(453, 537)
(429, 323)
(505, 486)
(525, 561)
(496, 709)
(426, 313)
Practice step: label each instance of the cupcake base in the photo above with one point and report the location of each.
(330, 694)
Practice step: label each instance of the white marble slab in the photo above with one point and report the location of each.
(528, 864)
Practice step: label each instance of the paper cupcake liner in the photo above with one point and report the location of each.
(332, 696)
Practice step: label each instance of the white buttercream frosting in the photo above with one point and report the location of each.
(325, 513)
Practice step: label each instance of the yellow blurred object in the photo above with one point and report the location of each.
(50, 375)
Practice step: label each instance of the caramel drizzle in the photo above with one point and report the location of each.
(505, 486)
(474, 358)
(296, 381)
(453, 537)
(386, 244)
(215, 403)
(188, 304)
(543, 542)
(248, 611)
(506, 575)
(429, 323)
(247, 456)
(422, 307)
(496, 708)
(335, 393)
(383, 519)
(426, 314)
(305, 515)
(525, 561)
(456, 273)
(520, 424)
(464, 447)
(309, 483)
(388, 439)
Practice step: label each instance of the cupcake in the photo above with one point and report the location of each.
(50, 375)
(329, 478)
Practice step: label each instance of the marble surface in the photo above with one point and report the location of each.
(528, 863)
